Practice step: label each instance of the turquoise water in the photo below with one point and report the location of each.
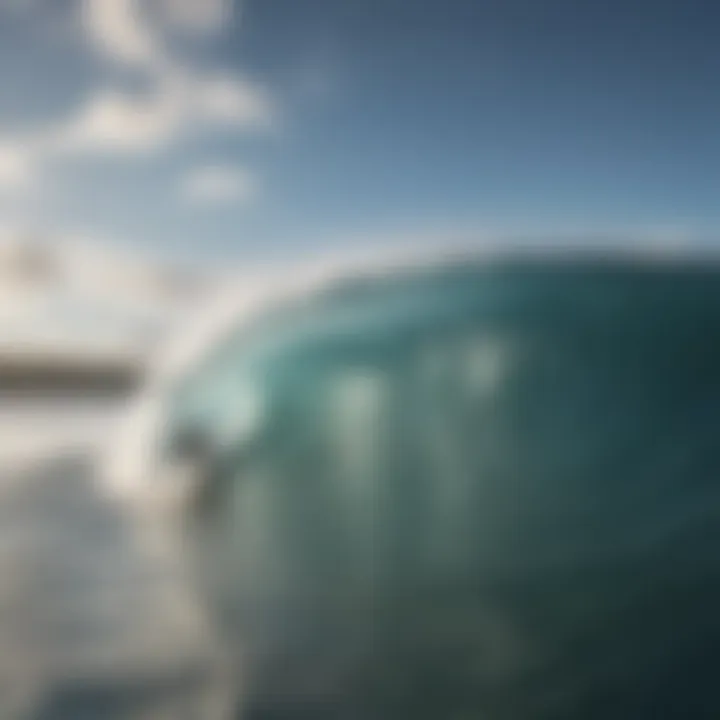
(515, 516)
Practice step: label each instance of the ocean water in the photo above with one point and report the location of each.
(544, 544)
(481, 493)
(96, 620)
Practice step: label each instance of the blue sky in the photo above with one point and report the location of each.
(266, 128)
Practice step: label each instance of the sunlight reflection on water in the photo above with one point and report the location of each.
(94, 622)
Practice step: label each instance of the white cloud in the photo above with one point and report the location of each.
(233, 101)
(115, 122)
(218, 184)
(135, 32)
(117, 29)
(16, 166)
(182, 104)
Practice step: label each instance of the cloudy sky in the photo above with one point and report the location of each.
(263, 127)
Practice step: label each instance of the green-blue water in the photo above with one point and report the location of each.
(481, 493)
